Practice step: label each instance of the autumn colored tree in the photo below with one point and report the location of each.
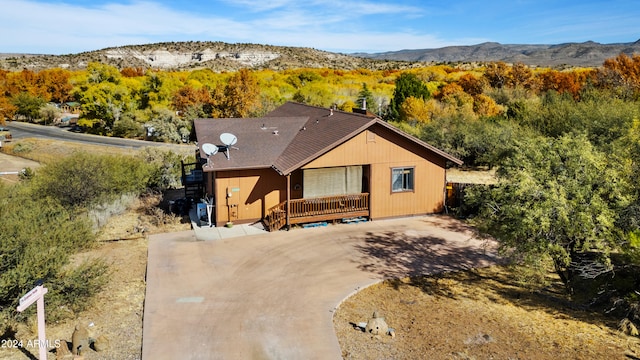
(456, 100)
(485, 106)
(347, 106)
(239, 98)
(99, 73)
(302, 78)
(7, 109)
(622, 71)
(21, 82)
(521, 75)
(104, 103)
(55, 85)
(570, 82)
(416, 110)
(472, 85)
(497, 74)
(188, 98)
(316, 94)
(132, 72)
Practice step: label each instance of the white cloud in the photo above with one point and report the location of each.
(65, 28)
(52, 26)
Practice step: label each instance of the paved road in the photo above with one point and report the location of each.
(21, 130)
(272, 296)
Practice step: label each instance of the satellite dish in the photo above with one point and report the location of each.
(210, 149)
(228, 139)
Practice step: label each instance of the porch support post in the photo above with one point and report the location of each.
(288, 200)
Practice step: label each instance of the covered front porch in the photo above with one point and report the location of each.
(316, 209)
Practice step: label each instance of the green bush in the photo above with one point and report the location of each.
(84, 179)
(71, 290)
(166, 167)
(37, 237)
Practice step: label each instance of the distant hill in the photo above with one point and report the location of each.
(221, 56)
(218, 56)
(586, 54)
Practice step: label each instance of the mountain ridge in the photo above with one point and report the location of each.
(220, 56)
(586, 54)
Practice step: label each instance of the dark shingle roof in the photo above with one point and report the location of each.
(260, 140)
(290, 137)
(324, 130)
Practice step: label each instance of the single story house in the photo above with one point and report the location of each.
(70, 107)
(304, 164)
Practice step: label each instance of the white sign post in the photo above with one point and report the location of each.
(37, 295)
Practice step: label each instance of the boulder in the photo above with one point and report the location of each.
(376, 325)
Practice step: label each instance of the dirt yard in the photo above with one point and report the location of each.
(116, 312)
(481, 314)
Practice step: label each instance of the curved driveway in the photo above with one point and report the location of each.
(272, 296)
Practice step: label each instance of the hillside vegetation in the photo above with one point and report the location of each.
(217, 56)
(220, 56)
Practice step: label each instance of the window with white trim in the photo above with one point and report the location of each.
(402, 179)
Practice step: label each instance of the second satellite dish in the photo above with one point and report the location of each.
(228, 139)
(209, 149)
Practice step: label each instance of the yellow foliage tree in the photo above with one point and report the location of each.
(415, 109)
(485, 106)
(239, 98)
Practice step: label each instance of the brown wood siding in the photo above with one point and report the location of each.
(383, 152)
(252, 191)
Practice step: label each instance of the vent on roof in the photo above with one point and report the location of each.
(275, 132)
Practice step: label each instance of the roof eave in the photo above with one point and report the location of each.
(325, 150)
(434, 149)
(231, 168)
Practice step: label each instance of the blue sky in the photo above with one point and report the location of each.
(72, 26)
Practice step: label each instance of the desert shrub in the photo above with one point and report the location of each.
(22, 147)
(100, 213)
(26, 174)
(37, 237)
(166, 167)
(84, 179)
(70, 292)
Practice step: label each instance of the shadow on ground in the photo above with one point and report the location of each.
(395, 254)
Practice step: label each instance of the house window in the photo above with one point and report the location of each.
(332, 181)
(402, 179)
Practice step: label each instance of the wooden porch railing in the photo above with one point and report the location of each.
(276, 217)
(318, 209)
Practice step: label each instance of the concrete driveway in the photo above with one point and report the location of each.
(272, 296)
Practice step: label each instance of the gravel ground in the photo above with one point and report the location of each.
(475, 315)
